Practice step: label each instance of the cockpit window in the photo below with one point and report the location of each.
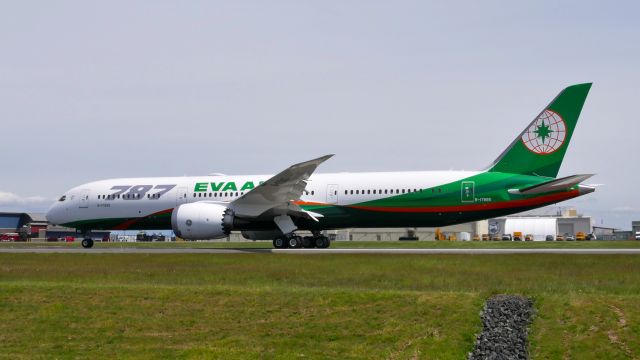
(63, 198)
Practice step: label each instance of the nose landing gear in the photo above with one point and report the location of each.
(87, 243)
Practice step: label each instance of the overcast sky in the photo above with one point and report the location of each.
(92, 90)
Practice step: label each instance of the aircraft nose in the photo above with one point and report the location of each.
(53, 214)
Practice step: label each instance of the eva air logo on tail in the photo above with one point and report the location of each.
(546, 134)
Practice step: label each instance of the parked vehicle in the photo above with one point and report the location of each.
(528, 237)
(517, 236)
(10, 237)
(68, 239)
(559, 238)
(580, 236)
(637, 235)
(506, 237)
(568, 237)
(548, 238)
(591, 237)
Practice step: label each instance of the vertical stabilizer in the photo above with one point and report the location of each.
(540, 148)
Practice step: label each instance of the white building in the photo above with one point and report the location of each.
(542, 222)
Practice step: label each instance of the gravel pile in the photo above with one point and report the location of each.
(504, 334)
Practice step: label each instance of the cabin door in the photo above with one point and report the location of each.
(332, 193)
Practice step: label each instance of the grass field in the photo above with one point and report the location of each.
(354, 244)
(316, 306)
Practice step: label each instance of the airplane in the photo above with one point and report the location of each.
(274, 207)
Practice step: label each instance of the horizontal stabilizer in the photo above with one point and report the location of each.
(553, 185)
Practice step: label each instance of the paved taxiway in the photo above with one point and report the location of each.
(317, 251)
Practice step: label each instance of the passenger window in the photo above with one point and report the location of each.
(351, 191)
(368, 191)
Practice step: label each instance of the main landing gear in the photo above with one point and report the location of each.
(294, 241)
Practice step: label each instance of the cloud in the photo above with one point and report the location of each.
(11, 199)
(626, 209)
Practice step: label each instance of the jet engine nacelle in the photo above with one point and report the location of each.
(201, 221)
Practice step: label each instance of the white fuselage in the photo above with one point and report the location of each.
(138, 197)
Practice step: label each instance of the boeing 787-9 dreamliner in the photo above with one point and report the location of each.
(274, 207)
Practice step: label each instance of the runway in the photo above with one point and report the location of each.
(53, 250)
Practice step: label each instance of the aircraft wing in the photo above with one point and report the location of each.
(278, 193)
(553, 185)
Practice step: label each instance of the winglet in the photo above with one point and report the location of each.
(307, 167)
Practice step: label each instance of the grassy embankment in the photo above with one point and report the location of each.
(320, 306)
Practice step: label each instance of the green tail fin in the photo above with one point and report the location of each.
(540, 148)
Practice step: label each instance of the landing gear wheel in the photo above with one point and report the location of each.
(294, 242)
(279, 243)
(322, 242)
(87, 243)
(327, 243)
(308, 242)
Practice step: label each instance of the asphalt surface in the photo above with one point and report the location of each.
(123, 250)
